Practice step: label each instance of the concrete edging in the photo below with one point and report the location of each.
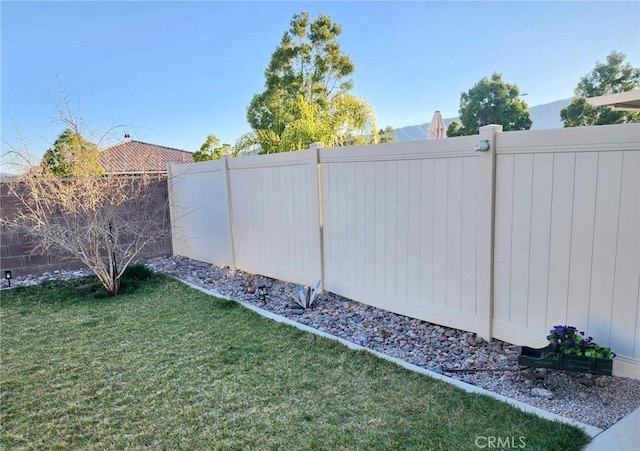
(591, 431)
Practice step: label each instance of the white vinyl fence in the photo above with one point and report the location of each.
(200, 213)
(541, 229)
(567, 236)
(275, 215)
(401, 228)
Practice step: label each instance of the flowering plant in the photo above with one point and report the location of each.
(568, 340)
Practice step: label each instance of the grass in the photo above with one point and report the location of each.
(168, 367)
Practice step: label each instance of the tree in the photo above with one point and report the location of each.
(491, 101)
(306, 97)
(387, 134)
(308, 62)
(210, 150)
(104, 221)
(454, 130)
(345, 120)
(71, 152)
(611, 78)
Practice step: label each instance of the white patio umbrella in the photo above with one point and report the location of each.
(437, 130)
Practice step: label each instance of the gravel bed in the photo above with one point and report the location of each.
(599, 401)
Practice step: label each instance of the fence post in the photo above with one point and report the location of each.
(230, 212)
(172, 207)
(316, 177)
(486, 214)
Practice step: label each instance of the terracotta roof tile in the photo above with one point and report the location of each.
(131, 156)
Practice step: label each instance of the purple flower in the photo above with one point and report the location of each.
(569, 340)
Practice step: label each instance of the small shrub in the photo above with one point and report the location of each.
(134, 276)
(137, 271)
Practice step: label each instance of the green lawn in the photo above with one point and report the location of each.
(168, 367)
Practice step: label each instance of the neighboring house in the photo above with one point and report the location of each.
(126, 158)
(135, 157)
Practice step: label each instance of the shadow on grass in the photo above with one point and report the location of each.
(86, 290)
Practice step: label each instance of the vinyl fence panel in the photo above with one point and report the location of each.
(567, 237)
(199, 204)
(400, 227)
(275, 215)
(541, 229)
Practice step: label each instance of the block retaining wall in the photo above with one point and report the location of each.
(16, 251)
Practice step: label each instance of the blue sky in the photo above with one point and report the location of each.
(174, 72)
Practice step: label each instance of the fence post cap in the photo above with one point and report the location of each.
(496, 127)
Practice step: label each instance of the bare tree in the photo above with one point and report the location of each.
(105, 221)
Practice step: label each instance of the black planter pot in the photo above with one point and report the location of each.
(547, 358)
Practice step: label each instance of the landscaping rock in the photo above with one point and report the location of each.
(415, 341)
(603, 381)
(542, 393)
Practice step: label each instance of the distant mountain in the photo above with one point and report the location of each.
(548, 115)
(6, 177)
(543, 116)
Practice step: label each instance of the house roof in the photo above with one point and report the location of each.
(622, 101)
(132, 157)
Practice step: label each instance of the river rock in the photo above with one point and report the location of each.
(542, 393)
(414, 341)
